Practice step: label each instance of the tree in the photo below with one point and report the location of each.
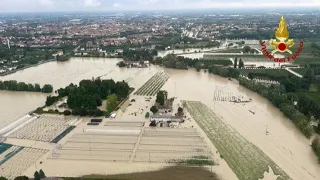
(147, 115)
(47, 88)
(37, 88)
(153, 124)
(246, 49)
(198, 66)
(235, 62)
(36, 176)
(316, 147)
(3, 178)
(160, 98)
(41, 173)
(51, 100)
(111, 103)
(241, 64)
(67, 113)
(122, 64)
(154, 109)
(21, 178)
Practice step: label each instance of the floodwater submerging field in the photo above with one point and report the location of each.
(244, 158)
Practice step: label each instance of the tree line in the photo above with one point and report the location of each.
(180, 62)
(85, 98)
(13, 85)
(37, 176)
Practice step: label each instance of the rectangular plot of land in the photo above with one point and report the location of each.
(95, 152)
(104, 141)
(89, 146)
(44, 128)
(19, 163)
(167, 157)
(115, 132)
(143, 147)
(93, 157)
(172, 142)
(172, 134)
(125, 123)
(185, 130)
(102, 136)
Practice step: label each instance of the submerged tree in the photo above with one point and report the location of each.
(235, 62)
(154, 109)
(36, 175)
(21, 178)
(241, 64)
(41, 173)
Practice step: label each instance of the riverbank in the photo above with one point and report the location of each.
(25, 67)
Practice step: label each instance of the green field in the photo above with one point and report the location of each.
(307, 49)
(301, 71)
(277, 72)
(231, 50)
(244, 57)
(306, 60)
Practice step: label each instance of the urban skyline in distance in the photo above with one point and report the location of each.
(8, 6)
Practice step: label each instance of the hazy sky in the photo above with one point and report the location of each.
(100, 5)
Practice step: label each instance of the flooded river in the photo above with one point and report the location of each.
(284, 144)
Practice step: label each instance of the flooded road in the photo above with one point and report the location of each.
(285, 144)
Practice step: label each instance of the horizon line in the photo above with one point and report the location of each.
(305, 8)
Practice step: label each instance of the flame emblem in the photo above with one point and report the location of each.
(282, 35)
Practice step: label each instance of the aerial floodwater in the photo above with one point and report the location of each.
(284, 144)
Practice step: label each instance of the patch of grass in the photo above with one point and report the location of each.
(200, 157)
(231, 50)
(193, 162)
(313, 88)
(306, 60)
(267, 72)
(301, 71)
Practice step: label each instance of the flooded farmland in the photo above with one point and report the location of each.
(284, 144)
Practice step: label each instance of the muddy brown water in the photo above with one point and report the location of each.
(284, 144)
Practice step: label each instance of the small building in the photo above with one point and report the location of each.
(165, 118)
(89, 44)
(167, 107)
(165, 121)
(60, 53)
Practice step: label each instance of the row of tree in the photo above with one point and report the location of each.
(13, 85)
(179, 62)
(236, 65)
(37, 176)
